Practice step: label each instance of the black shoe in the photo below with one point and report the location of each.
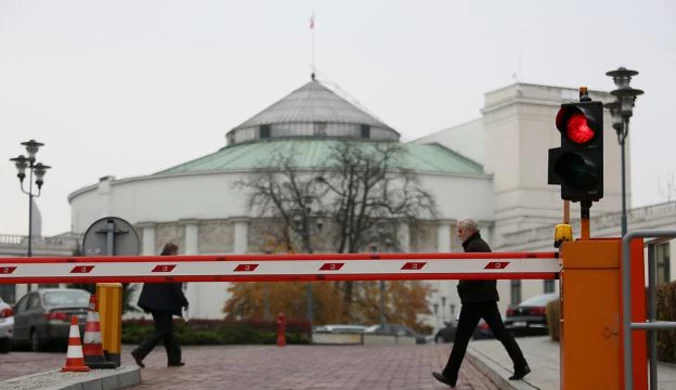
(441, 378)
(137, 359)
(179, 364)
(520, 373)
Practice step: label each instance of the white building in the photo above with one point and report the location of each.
(510, 141)
(492, 169)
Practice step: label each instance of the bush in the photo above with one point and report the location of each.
(220, 332)
(553, 312)
(666, 311)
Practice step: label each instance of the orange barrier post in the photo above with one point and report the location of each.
(638, 314)
(74, 356)
(281, 325)
(590, 315)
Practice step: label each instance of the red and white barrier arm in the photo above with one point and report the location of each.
(295, 267)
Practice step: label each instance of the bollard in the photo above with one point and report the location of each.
(110, 312)
(281, 324)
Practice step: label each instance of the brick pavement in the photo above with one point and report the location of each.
(288, 368)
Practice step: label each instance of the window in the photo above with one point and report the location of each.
(264, 131)
(22, 306)
(549, 286)
(8, 293)
(319, 129)
(365, 131)
(515, 292)
(662, 260)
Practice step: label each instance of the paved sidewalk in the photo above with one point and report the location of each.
(288, 368)
(543, 357)
(309, 367)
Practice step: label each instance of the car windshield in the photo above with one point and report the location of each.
(540, 300)
(66, 298)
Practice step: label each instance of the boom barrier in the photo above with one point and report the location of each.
(287, 267)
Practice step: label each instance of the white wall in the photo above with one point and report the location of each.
(466, 139)
(212, 196)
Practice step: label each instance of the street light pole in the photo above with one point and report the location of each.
(302, 218)
(37, 170)
(621, 110)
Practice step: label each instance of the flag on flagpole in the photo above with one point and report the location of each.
(312, 21)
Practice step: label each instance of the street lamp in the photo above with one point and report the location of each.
(380, 233)
(301, 218)
(36, 169)
(621, 110)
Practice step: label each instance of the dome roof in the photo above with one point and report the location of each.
(310, 111)
(311, 153)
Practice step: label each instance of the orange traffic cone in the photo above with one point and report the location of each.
(74, 358)
(91, 343)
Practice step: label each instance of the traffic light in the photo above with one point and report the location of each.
(578, 164)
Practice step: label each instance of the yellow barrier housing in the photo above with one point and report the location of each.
(109, 296)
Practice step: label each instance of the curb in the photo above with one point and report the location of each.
(495, 372)
(110, 379)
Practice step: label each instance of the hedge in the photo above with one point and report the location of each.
(666, 311)
(553, 313)
(221, 332)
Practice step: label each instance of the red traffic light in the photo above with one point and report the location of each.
(578, 130)
(574, 123)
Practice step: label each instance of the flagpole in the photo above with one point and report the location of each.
(312, 27)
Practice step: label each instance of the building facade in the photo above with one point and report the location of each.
(492, 169)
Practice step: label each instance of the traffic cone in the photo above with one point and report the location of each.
(74, 358)
(91, 343)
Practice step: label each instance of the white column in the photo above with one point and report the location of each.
(148, 244)
(444, 236)
(191, 247)
(241, 236)
(404, 237)
(487, 233)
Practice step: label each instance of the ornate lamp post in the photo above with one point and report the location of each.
(36, 169)
(621, 110)
(302, 218)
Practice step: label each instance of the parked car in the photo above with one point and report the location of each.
(396, 329)
(43, 317)
(529, 317)
(447, 333)
(6, 326)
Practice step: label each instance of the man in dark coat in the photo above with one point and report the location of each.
(479, 299)
(163, 301)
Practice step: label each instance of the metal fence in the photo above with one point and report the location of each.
(651, 325)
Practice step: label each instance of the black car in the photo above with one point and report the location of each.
(447, 333)
(529, 318)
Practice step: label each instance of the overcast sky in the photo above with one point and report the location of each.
(132, 87)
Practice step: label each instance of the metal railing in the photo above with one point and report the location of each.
(652, 325)
(599, 222)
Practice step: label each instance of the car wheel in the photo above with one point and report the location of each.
(5, 345)
(36, 344)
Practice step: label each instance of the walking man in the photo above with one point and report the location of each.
(163, 301)
(479, 299)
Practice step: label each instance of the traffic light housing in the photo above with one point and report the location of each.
(578, 164)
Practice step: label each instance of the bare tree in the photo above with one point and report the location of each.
(360, 186)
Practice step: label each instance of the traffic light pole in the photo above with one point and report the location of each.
(585, 205)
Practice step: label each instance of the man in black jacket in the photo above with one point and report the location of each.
(163, 301)
(479, 299)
